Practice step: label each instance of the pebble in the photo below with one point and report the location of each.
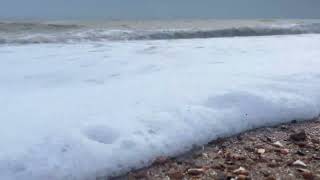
(212, 173)
(237, 157)
(307, 175)
(278, 144)
(205, 155)
(284, 151)
(299, 163)
(316, 157)
(301, 153)
(195, 171)
(261, 151)
(242, 177)
(303, 170)
(300, 136)
(176, 175)
(241, 171)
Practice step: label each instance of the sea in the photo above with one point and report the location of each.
(32, 32)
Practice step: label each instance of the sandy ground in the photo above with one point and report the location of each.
(287, 151)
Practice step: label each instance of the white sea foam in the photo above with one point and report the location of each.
(79, 111)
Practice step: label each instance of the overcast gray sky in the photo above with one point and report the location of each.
(149, 9)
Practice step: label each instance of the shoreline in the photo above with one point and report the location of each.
(285, 151)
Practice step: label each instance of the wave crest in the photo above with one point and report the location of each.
(31, 33)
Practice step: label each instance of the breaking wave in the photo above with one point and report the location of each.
(31, 33)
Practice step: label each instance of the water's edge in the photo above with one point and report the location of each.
(195, 149)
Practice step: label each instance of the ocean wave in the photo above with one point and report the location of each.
(31, 33)
(17, 27)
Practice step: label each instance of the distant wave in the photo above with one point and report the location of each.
(231, 32)
(31, 33)
(10, 27)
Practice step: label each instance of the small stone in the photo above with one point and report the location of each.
(299, 163)
(242, 177)
(300, 136)
(266, 138)
(302, 170)
(175, 175)
(230, 177)
(307, 175)
(278, 144)
(205, 155)
(291, 175)
(261, 151)
(237, 157)
(212, 173)
(301, 153)
(228, 162)
(316, 157)
(195, 171)
(241, 171)
(284, 151)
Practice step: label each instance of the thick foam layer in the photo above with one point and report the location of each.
(29, 33)
(80, 111)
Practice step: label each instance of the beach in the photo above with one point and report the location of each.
(81, 102)
(286, 151)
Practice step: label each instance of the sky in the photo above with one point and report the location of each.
(157, 9)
